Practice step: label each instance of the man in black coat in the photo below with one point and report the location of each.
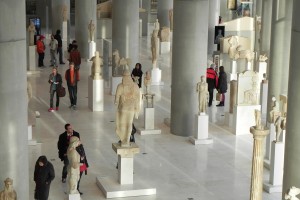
(62, 145)
(43, 175)
(59, 47)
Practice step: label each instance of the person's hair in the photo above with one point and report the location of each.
(55, 67)
(66, 126)
(58, 32)
(74, 42)
(42, 159)
(140, 65)
(221, 68)
(72, 63)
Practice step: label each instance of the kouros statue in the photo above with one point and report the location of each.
(8, 193)
(65, 13)
(147, 82)
(154, 49)
(74, 164)
(127, 100)
(202, 89)
(283, 122)
(274, 113)
(96, 66)
(156, 26)
(31, 31)
(292, 193)
(258, 125)
(91, 28)
(171, 19)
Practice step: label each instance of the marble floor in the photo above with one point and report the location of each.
(178, 169)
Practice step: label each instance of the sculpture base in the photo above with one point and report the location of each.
(149, 128)
(95, 94)
(269, 140)
(272, 188)
(264, 99)
(112, 189)
(92, 50)
(233, 76)
(201, 137)
(31, 65)
(31, 142)
(229, 119)
(115, 81)
(74, 197)
(165, 47)
(156, 77)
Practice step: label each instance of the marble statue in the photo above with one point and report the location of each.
(278, 128)
(8, 193)
(147, 82)
(91, 28)
(292, 193)
(263, 58)
(65, 12)
(251, 96)
(119, 64)
(283, 100)
(283, 122)
(165, 34)
(202, 89)
(156, 26)
(258, 125)
(74, 164)
(233, 43)
(29, 91)
(98, 11)
(31, 31)
(154, 47)
(127, 100)
(96, 66)
(274, 113)
(265, 78)
(171, 19)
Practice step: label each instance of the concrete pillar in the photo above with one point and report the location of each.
(291, 175)
(13, 107)
(189, 62)
(214, 13)
(57, 16)
(42, 10)
(146, 4)
(85, 11)
(125, 29)
(266, 22)
(280, 49)
(163, 7)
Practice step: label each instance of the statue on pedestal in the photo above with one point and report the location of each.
(96, 66)
(127, 100)
(8, 193)
(74, 164)
(251, 96)
(156, 26)
(154, 44)
(233, 44)
(202, 89)
(171, 19)
(65, 12)
(147, 82)
(265, 78)
(278, 128)
(31, 31)
(283, 122)
(91, 28)
(258, 125)
(274, 113)
(119, 64)
(292, 193)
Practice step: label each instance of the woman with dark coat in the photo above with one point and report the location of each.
(43, 175)
(222, 85)
(137, 74)
(83, 163)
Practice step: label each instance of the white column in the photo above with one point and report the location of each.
(214, 13)
(163, 7)
(13, 89)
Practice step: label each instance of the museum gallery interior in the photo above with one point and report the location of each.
(153, 99)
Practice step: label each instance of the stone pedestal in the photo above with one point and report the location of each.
(156, 77)
(31, 58)
(74, 197)
(165, 47)
(30, 140)
(201, 136)
(244, 118)
(262, 69)
(125, 186)
(276, 168)
(249, 66)
(115, 81)
(96, 94)
(149, 128)
(257, 163)
(64, 31)
(269, 140)
(92, 49)
(264, 98)
(233, 73)
(227, 99)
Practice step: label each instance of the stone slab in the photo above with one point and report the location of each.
(149, 131)
(95, 94)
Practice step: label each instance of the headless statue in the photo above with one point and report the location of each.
(96, 66)
(74, 164)
(91, 28)
(202, 89)
(31, 31)
(154, 47)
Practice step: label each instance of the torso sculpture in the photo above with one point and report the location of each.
(202, 89)
(8, 193)
(96, 66)
(258, 125)
(232, 47)
(127, 100)
(31, 31)
(65, 13)
(165, 34)
(278, 128)
(147, 82)
(91, 28)
(74, 164)
(156, 27)
(154, 47)
(274, 113)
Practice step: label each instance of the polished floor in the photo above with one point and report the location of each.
(178, 169)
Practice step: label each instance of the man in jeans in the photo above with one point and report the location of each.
(59, 48)
(53, 48)
(72, 77)
(62, 145)
(40, 48)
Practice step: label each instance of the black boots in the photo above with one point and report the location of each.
(220, 104)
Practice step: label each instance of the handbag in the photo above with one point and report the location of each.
(61, 91)
(218, 97)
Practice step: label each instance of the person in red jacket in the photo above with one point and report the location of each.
(72, 77)
(40, 48)
(212, 81)
(75, 57)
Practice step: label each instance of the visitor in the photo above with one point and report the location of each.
(222, 85)
(43, 175)
(70, 47)
(40, 48)
(137, 74)
(75, 57)
(62, 145)
(72, 77)
(53, 48)
(59, 47)
(55, 81)
(212, 81)
(83, 163)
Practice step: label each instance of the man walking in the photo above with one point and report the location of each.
(53, 48)
(72, 77)
(62, 145)
(40, 48)
(59, 48)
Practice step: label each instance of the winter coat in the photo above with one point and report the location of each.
(222, 83)
(82, 154)
(63, 144)
(58, 79)
(211, 78)
(139, 73)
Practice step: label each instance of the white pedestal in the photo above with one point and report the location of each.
(31, 58)
(92, 49)
(269, 140)
(74, 197)
(229, 119)
(249, 66)
(262, 69)
(115, 81)
(64, 30)
(140, 28)
(149, 123)
(264, 99)
(95, 94)
(233, 73)
(233, 76)
(156, 77)
(165, 47)
(227, 99)
(30, 140)
(276, 168)
(244, 118)
(201, 136)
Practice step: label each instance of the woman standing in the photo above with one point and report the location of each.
(55, 81)
(222, 85)
(43, 175)
(83, 163)
(137, 74)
